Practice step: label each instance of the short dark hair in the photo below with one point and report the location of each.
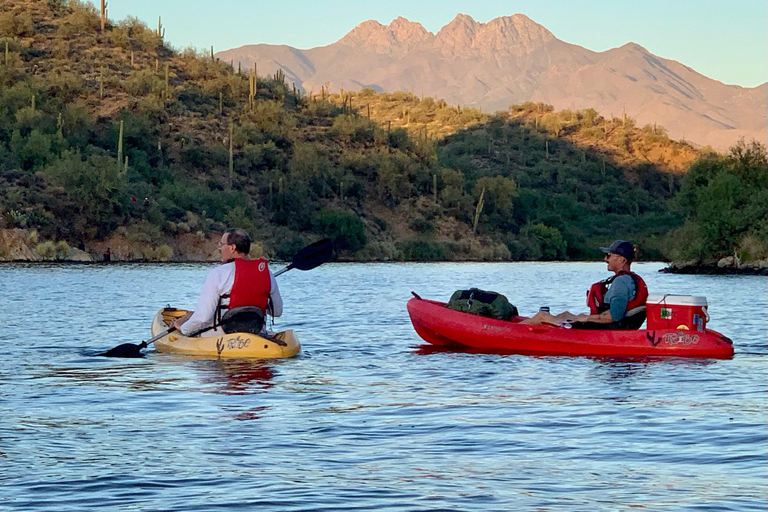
(240, 239)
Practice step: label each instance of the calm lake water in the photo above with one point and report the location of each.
(367, 417)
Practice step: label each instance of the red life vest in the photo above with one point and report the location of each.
(252, 284)
(596, 294)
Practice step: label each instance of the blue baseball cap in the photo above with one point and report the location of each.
(622, 248)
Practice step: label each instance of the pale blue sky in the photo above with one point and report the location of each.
(724, 40)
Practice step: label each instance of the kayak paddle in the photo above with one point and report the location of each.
(308, 258)
(311, 256)
(132, 349)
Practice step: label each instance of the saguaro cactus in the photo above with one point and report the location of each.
(478, 209)
(120, 145)
(103, 15)
(167, 86)
(160, 29)
(231, 154)
(252, 89)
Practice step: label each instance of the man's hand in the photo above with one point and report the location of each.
(178, 322)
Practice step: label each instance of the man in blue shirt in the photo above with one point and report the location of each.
(618, 300)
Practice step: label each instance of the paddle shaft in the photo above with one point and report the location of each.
(158, 336)
(283, 270)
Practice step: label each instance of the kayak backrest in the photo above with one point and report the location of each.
(634, 319)
(243, 319)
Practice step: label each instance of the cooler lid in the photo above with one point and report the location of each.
(676, 300)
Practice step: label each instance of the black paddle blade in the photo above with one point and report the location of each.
(313, 255)
(126, 350)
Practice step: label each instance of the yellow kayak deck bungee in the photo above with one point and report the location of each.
(283, 344)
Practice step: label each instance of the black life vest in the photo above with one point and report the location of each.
(596, 294)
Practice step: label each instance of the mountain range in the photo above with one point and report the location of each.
(512, 59)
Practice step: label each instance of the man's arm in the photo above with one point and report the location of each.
(275, 297)
(600, 318)
(617, 298)
(206, 305)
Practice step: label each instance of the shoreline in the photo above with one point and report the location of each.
(21, 246)
(750, 269)
(715, 269)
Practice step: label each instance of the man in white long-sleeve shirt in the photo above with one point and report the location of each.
(246, 282)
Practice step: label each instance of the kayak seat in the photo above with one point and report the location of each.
(243, 319)
(633, 320)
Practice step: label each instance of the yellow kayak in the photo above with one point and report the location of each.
(237, 344)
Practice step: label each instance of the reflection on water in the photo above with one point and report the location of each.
(238, 376)
(368, 416)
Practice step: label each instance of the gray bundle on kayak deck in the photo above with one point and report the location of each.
(483, 303)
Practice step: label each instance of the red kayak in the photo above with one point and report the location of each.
(439, 325)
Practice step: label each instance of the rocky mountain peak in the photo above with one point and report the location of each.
(516, 34)
(401, 34)
(458, 35)
(363, 31)
(408, 31)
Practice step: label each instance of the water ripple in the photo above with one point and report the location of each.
(368, 416)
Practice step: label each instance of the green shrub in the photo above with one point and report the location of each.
(399, 139)
(46, 250)
(288, 246)
(343, 227)
(544, 242)
(421, 250)
(83, 20)
(239, 217)
(353, 128)
(62, 249)
(422, 225)
(379, 251)
(160, 253)
(143, 82)
(753, 247)
(18, 24)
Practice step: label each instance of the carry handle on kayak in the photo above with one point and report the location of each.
(308, 258)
